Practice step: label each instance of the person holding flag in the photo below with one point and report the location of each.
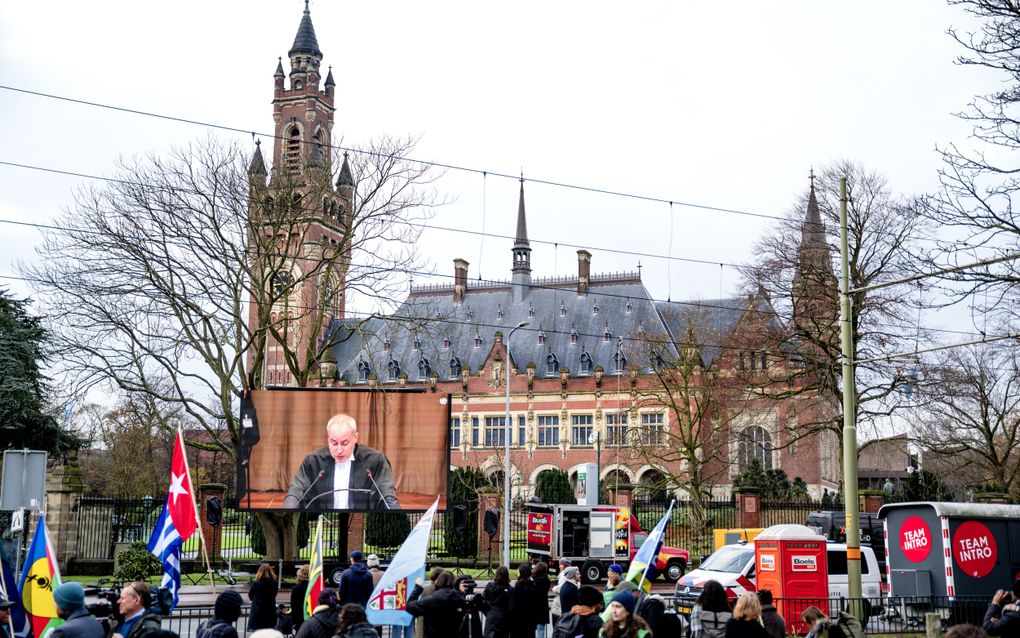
(177, 523)
(648, 554)
(39, 579)
(316, 580)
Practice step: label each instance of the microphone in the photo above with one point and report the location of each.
(381, 496)
(307, 490)
(342, 489)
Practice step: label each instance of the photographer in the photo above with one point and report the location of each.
(442, 611)
(471, 624)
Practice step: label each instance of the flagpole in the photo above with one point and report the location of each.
(194, 505)
(650, 565)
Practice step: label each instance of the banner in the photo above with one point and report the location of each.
(648, 553)
(39, 578)
(388, 603)
(316, 581)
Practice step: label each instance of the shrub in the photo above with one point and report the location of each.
(136, 563)
(386, 529)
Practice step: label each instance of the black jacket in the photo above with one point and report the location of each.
(572, 624)
(361, 630)
(568, 595)
(497, 619)
(262, 595)
(366, 460)
(297, 604)
(356, 585)
(80, 624)
(775, 625)
(441, 611)
(1000, 623)
(523, 601)
(321, 624)
(216, 628)
(542, 585)
(145, 626)
(744, 629)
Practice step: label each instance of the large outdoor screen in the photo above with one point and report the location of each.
(316, 450)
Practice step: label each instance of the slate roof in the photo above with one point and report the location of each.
(304, 41)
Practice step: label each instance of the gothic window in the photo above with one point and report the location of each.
(552, 365)
(754, 444)
(363, 371)
(293, 151)
(392, 370)
(424, 369)
(585, 367)
(619, 361)
(318, 152)
(455, 367)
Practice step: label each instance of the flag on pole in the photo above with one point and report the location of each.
(648, 553)
(388, 603)
(177, 522)
(315, 578)
(39, 578)
(18, 625)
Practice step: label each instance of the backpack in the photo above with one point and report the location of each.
(846, 624)
(568, 626)
(284, 622)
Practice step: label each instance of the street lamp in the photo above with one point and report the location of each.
(506, 466)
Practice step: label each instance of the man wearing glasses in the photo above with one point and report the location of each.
(133, 604)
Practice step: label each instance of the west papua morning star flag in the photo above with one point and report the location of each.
(177, 522)
(315, 579)
(648, 553)
(39, 578)
(388, 603)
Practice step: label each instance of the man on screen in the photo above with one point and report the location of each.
(343, 475)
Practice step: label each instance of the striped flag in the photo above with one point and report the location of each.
(315, 579)
(388, 603)
(177, 522)
(648, 553)
(18, 624)
(39, 578)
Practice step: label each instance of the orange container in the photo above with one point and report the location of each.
(790, 561)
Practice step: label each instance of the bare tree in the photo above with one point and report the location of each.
(970, 413)
(796, 268)
(180, 276)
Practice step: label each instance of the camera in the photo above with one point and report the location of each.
(467, 587)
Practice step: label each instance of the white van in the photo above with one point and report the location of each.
(733, 566)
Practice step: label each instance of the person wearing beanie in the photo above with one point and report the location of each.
(373, 568)
(133, 604)
(613, 578)
(623, 623)
(78, 622)
(356, 584)
(625, 587)
(225, 613)
(323, 621)
(568, 590)
(583, 618)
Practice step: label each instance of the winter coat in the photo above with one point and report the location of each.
(579, 621)
(744, 628)
(356, 585)
(442, 611)
(542, 586)
(497, 620)
(523, 601)
(146, 626)
(361, 630)
(713, 623)
(297, 604)
(568, 595)
(775, 625)
(216, 628)
(80, 624)
(262, 595)
(321, 624)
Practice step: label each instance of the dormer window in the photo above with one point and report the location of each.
(424, 369)
(563, 310)
(620, 361)
(595, 308)
(541, 337)
(363, 371)
(478, 340)
(446, 343)
(531, 310)
(630, 306)
(552, 365)
(417, 342)
(392, 370)
(585, 367)
(607, 334)
(455, 367)
(499, 312)
(470, 313)
(573, 336)
(386, 344)
(655, 361)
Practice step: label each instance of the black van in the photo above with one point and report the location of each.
(832, 525)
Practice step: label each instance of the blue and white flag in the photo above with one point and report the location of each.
(166, 545)
(648, 553)
(9, 588)
(388, 603)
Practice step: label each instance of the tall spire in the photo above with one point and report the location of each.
(521, 252)
(257, 165)
(812, 231)
(304, 41)
(814, 283)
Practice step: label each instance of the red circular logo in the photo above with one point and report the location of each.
(975, 549)
(915, 539)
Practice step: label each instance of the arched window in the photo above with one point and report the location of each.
(585, 367)
(363, 371)
(293, 157)
(424, 369)
(552, 365)
(455, 367)
(317, 146)
(755, 444)
(392, 370)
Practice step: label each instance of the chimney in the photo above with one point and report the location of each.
(460, 274)
(583, 272)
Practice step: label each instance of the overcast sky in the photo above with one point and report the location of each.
(726, 104)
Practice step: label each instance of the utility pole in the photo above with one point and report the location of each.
(853, 524)
(507, 504)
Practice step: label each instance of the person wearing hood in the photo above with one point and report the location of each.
(774, 623)
(523, 603)
(660, 622)
(583, 618)
(442, 611)
(711, 612)
(322, 622)
(78, 622)
(497, 595)
(356, 583)
(226, 611)
(353, 623)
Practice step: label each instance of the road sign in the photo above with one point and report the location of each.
(18, 520)
(24, 479)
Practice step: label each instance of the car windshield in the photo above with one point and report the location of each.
(731, 558)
